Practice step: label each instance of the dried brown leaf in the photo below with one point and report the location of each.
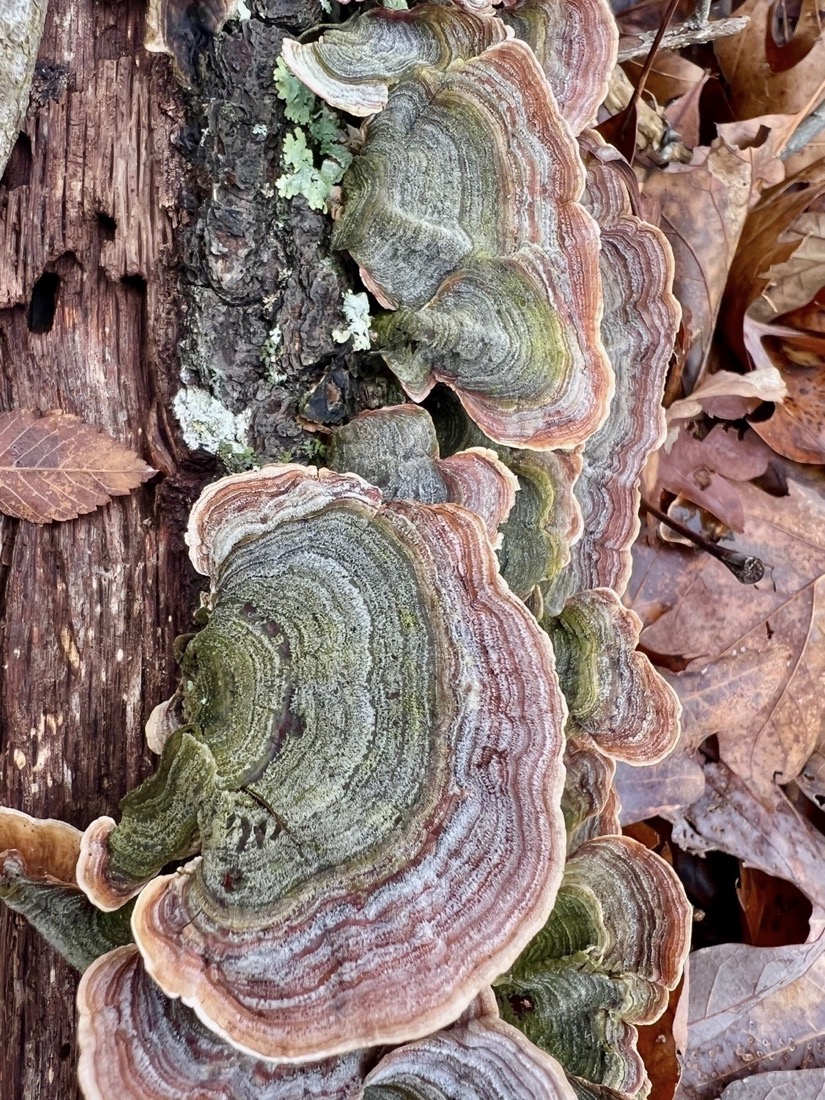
(801, 1084)
(707, 471)
(703, 208)
(752, 1010)
(766, 74)
(767, 715)
(765, 832)
(57, 467)
(658, 789)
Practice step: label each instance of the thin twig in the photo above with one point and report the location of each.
(745, 567)
(648, 65)
(689, 33)
(808, 129)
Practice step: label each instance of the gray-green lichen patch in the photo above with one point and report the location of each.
(255, 263)
(208, 425)
(356, 310)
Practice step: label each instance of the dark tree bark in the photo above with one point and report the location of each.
(140, 234)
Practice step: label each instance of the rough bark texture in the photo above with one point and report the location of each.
(134, 219)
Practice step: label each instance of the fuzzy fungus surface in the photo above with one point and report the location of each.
(397, 449)
(614, 946)
(370, 765)
(462, 212)
(137, 1044)
(37, 879)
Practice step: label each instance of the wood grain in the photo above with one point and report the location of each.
(88, 608)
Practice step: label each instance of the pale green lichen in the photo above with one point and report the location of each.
(208, 425)
(302, 175)
(356, 310)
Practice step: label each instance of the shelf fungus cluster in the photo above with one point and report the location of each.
(463, 213)
(386, 776)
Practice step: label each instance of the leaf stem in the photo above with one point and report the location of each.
(745, 567)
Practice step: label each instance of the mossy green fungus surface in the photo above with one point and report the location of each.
(612, 948)
(37, 880)
(614, 693)
(397, 449)
(369, 764)
(462, 211)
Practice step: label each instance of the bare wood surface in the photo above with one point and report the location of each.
(88, 608)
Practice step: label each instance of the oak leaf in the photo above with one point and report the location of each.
(752, 1009)
(698, 617)
(800, 1084)
(767, 833)
(57, 467)
(773, 309)
(771, 68)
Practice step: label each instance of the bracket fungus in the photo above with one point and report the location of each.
(639, 326)
(613, 947)
(483, 1059)
(614, 694)
(462, 212)
(352, 66)
(37, 879)
(589, 802)
(576, 43)
(371, 763)
(396, 449)
(137, 1044)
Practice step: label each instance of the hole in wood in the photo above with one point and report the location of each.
(135, 282)
(43, 305)
(107, 226)
(19, 168)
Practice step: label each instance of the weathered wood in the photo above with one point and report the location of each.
(89, 608)
(140, 234)
(21, 24)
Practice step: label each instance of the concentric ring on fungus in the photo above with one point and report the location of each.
(371, 759)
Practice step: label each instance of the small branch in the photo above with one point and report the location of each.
(745, 567)
(808, 129)
(690, 33)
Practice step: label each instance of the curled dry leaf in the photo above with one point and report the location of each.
(56, 467)
(638, 328)
(694, 610)
(773, 309)
(730, 396)
(767, 75)
(764, 832)
(751, 1010)
(612, 948)
(37, 879)
(327, 731)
